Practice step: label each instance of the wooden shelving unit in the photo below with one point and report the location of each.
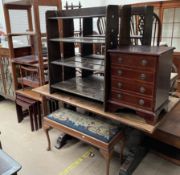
(65, 63)
(82, 74)
(33, 58)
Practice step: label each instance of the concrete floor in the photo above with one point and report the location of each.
(29, 149)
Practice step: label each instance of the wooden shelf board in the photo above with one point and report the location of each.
(31, 82)
(45, 63)
(136, 36)
(28, 82)
(98, 109)
(19, 2)
(21, 34)
(27, 60)
(81, 13)
(91, 40)
(78, 16)
(90, 87)
(81, 62)
(30, 94)
(95, 56)
(30, 2)
(97, 35)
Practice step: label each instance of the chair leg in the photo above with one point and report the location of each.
(46, 129)
(35, 115)
(31, 118)
(19, 111)
(57, 105)
(39, 114)
(50, 106)
(107, 154)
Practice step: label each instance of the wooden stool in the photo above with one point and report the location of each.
(94, 131)
(34, 110)
(8, 166)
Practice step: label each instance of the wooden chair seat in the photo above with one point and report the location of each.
(95, 131)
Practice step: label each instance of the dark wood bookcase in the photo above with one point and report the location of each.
(83, 73)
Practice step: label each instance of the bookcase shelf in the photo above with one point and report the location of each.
(91, 40)
(91, 87)
(22, 34)
(93, 64)
(75, 17)
(94, 12)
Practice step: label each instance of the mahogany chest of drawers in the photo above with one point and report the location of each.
(138, 78)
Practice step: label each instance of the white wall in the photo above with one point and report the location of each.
(119, 2)
(2, 21)
(86, 3)
(92, 3)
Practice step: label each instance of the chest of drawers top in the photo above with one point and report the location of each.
(142, 50)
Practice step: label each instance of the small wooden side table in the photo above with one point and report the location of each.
(8, 166)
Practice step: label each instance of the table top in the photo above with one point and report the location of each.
(128, 119)
(171, 123)
(30, 94)
(8, 166)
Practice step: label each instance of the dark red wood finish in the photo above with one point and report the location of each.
(139, 80)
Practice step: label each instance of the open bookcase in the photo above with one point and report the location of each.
(79, 73)
(29, 66)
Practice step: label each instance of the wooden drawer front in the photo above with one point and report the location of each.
(137, 61)
(136, 101)
(140, 88)
(132, 74)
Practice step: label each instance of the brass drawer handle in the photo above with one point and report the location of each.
(120, 60)
(119, 85)
(119, 96)
(142, 89)
(144, 62)
(119, 72)
(141, 102)
(143, 76)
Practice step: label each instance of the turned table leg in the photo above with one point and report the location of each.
(46, 129)
(107, 154)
